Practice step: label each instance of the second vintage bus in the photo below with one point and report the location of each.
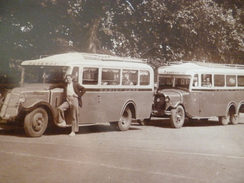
(199, 91)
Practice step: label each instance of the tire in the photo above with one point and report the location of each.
(35, 122)
(224, 120)
(125, 120)
(234, 118)
(177, 117)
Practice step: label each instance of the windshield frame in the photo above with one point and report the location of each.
(171, 82)
(43, 74)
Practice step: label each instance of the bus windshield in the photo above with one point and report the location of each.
(173, 82)
(44, 74)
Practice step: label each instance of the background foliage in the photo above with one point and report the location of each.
(159, 30)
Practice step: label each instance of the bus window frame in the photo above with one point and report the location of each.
(227, 79)
(82, 75)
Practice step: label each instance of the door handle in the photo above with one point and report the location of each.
(99, 98)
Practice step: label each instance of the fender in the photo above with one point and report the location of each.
(240, 106)
(128, 103)
(229, 106)
(36, 105)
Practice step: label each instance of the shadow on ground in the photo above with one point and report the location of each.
(54, 130)
(165, 123)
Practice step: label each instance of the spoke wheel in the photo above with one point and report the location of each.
(35, 122)
(125, 120)
(177, 118)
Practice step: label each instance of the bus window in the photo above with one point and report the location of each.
(130, 77)
(75, 74)
(165, 82)
(34, 74)
(231, 80)
(110, 76)
(90, 76)
(195, 80)
(182, 83)
(144, 77)
(219, 80)
(207, 80)
(240, 80)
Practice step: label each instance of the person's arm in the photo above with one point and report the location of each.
(60, 85)
(81, 89)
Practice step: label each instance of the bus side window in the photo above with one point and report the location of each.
(144, 77)
(240, 81)
(75, 74)
(90, 76)
(206, 80)
(219, 80)
(195, 80)
(130, 77)
(231, 80)
(110, 76)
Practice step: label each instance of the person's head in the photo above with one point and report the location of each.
(127, 76)
(69, 78)
(208, 79)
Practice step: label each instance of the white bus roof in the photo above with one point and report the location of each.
(200, 68)
(71, 59)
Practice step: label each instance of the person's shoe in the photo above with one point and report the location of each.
(62, 124)
(72, 134)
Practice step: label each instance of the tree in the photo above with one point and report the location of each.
(161, 31)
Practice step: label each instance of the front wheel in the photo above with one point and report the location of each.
(177, 117)
(125, 120)
(35, 122)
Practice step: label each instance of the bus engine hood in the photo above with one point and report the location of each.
(171, 97)
(25, 96)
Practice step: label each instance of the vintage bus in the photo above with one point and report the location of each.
(199, 91)
(109, 96)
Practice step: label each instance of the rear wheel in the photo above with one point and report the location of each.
(177, 118)
(234, 118)
(35, 122)
(125, 120)
(224, 120)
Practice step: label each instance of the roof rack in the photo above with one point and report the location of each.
(101, 57)
(209, 64)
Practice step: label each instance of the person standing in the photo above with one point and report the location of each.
(73, 92)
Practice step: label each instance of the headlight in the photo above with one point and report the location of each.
(22, 98)
(167, 99)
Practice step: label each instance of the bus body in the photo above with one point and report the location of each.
(199, 91)
(107, 98)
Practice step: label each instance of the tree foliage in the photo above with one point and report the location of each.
(159, 30)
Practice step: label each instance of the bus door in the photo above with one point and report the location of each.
(193, 100)
(206, 96)
(89, 113)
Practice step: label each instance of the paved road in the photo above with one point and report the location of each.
(200, 152)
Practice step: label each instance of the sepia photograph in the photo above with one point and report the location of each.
(127, 91)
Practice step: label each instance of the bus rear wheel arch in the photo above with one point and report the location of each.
(234, 116)
(231, 117)
(35, 122)
(177, 117)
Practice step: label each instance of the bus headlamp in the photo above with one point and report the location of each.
(167, 99)
(22, 98)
